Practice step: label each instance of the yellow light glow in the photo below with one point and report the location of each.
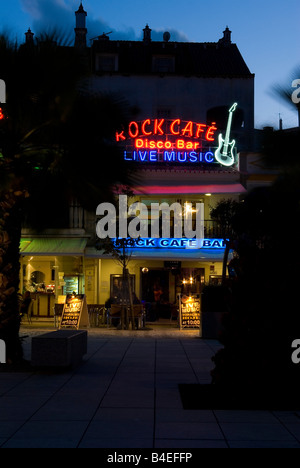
(189, 208)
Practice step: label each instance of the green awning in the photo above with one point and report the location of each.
(53, 246)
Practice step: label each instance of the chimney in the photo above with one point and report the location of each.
(226, 39)
(147, 34)
(29, 37)
(80, 30)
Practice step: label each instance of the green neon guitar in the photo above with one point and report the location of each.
(224, 154)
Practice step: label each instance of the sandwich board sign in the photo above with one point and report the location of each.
(189, 311)
(75, 313)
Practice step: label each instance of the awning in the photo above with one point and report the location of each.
(65, 246)
(196, 255)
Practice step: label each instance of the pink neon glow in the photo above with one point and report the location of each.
(189, 189)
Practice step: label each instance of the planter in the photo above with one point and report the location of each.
(211, 324)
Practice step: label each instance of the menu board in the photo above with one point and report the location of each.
(71, 284)
(75, 313)
(190, 312)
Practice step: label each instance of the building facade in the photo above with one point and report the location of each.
(190, 142)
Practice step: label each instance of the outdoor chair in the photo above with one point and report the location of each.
(138, 313)
(58, 311)
(174, 313)
(97, 315)
(115, 312)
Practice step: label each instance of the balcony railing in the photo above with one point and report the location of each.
(76, 216)
(213, 230)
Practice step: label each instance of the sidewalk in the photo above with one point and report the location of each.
(125, 395)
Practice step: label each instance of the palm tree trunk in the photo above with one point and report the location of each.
(225, 261)
(130, 299)
(10, 235)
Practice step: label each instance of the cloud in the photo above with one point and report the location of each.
(48, 15)
(45, 11)
(60, 14)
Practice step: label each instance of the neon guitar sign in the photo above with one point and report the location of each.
(225, 152)
(176, 141)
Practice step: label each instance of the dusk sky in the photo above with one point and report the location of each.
(265, 31)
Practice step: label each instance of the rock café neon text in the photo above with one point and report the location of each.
(156, 140)
(175, 127)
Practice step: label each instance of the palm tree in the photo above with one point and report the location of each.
(120, 250)
(262, 319)
(56, 144)
(223, 214)
(288, 93)
(281, 148)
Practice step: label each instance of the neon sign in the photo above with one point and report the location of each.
(224, 154)
(160, 144)
(176, 243)
(165, 127)
(170, 156)
(176, 141)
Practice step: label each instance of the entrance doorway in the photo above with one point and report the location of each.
(160, 288)
(190, 281)
(156, 294)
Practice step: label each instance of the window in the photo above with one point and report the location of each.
(107, 63)
(163, 64)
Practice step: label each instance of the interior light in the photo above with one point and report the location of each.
(189, 208)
